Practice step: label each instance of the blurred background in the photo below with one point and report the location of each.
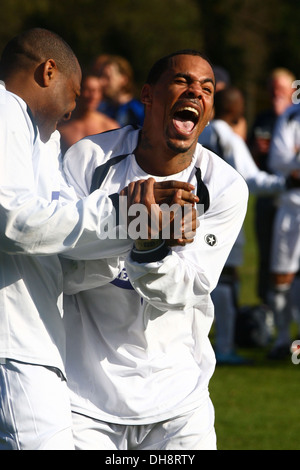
(249, 38)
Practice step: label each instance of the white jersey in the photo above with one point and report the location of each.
(36, 224)
(221, 139)
(284, 154)
(137, 348)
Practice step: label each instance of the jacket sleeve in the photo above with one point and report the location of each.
(84, 275)
(284, 155)
(34, 223)
(186, 275)
(259, 182)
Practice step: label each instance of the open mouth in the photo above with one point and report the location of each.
(185, 119)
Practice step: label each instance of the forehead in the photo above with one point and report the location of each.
(90, 82)
(281, 80)
(195, 66)
(110, 69)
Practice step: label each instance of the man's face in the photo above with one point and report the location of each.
(62, 100)
(68, 93)
(281, 93)
(112, 81)
(181, 102)
(91, 94)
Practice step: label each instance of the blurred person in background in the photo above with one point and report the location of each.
(119, 101)
(220, 137)
(222, 77)
(86, 119)
(280, 91)
(223, 80)
(285, 253)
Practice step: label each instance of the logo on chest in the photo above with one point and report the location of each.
(122, 280)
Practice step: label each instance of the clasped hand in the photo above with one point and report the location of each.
(170, 206)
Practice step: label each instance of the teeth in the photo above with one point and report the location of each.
(192, 110)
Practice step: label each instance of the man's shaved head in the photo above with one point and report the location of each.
(35, 46)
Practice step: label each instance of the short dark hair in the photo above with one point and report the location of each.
(162, 64)
(225, 100)
(34, 46)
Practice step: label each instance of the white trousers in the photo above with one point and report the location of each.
(191, 431)
(285, 254)
(35, 411)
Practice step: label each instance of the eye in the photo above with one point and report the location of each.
(208, 90)
(181, 81)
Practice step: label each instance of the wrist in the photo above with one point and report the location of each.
(149, 251)
(146, 245)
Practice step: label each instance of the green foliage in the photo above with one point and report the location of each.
(249, 38)
(141, 31)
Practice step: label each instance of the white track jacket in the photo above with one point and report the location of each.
(138, 350)
(284, 154)
(40, 216)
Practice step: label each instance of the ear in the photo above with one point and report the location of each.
(146, 94)
(49, 72)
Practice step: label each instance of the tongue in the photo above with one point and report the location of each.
(183, 125)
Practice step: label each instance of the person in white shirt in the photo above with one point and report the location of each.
(284, 160)
(220, 137)
(139, 359)
(40, 217)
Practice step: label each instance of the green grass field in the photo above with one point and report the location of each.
(258, 406)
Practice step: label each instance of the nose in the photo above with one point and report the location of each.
(195, 90)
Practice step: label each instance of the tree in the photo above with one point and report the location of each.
(248, 37)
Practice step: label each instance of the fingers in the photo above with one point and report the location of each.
(174, 185)
(164, 192)
(189, 198)
(147, 193)
(177, 222)
(167, 197)
(190, 223)
(134, 192)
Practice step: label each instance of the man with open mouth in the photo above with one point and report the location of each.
(139, 359)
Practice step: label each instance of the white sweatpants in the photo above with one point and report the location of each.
(35, 410)
(191, 431)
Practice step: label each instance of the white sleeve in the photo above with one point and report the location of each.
(284, 153)
(259, 182)
(84, 275)
(35, 225)
(79, 164)
(185, 276)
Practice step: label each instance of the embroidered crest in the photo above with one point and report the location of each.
(210, 239)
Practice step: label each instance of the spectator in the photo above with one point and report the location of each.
(280, 90)
(223, 81)
(119, 101)
(222, 77)
(285, 254)
(221, 138)
(86, 119)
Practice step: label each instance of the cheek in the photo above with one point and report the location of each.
(161, 105)
(209, 107)
(69, 102)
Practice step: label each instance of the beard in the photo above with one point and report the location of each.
(179, 146)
